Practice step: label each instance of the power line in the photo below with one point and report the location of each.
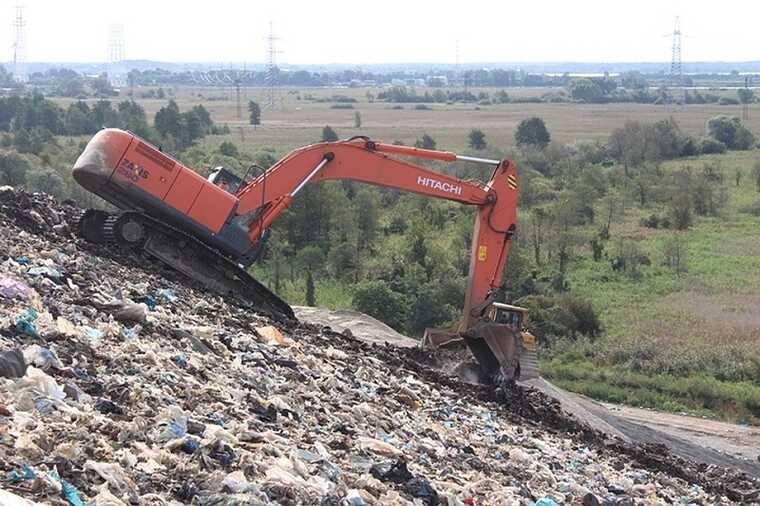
(19, 45)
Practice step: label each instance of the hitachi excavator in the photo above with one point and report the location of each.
(212, 229)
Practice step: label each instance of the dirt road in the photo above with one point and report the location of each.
(698, 439)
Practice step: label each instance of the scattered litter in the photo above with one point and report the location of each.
(11, 288)
(47, 272)
(167, 295)
(25, 323)
(12, 364)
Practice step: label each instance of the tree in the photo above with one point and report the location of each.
(745, 95)
(47, 181)
(367, 206)
(756, 174)
(167, 120)
(311, 299)
(13, 169)
(634, 81)
(357, 119)
(477, 139)
(132, 117)
(532, 132)
(328, 134)
(255, 113)
(227, 148)
(586, 90)
(426, 142)
(377, 299)
(77, 120)
(676, 254)
(730, 131)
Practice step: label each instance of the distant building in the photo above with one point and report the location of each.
(438, 81)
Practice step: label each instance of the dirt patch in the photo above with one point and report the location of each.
(360, 325)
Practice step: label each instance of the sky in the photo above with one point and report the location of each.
(387, 31)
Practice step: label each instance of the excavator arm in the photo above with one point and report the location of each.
(263, 200)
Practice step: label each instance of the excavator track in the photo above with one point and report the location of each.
(181, 252)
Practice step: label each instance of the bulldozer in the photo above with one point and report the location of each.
(213, 229)
(517, 356)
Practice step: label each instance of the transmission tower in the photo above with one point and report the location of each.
(676, 66)
(238, 104)
(271, 70)
(19, 45)
(746, 101)
(115, 52)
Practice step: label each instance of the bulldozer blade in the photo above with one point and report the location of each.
(496, 349)
(528, 365)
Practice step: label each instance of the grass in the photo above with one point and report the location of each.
(688, 342)
(696, 394)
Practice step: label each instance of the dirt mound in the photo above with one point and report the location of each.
(138, 388)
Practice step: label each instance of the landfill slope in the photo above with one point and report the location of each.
(125, 384)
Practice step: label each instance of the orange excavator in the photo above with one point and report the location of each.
(212, 229)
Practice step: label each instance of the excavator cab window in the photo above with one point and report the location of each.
(507, 317)
(225, 180)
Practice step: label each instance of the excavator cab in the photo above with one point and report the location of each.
(506, 314)
(225, 179)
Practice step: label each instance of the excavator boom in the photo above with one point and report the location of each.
(168, 200)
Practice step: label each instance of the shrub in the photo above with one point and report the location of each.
(328, 134)
(422, 107)
(227, 148)
(710, 146)
(342, 106)
(426, 142)
(532, 132)
(680, 212)
(753, 209)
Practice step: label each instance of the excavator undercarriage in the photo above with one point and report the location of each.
(181, 252)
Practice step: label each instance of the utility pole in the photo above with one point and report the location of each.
(19, 45)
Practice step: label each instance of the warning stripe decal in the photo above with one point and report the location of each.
(512, 182)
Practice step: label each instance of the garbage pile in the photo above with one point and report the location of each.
(122, 384)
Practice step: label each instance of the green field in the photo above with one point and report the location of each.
(682, 342)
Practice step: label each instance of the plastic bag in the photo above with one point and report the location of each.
(11, 288)
(25, 322)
